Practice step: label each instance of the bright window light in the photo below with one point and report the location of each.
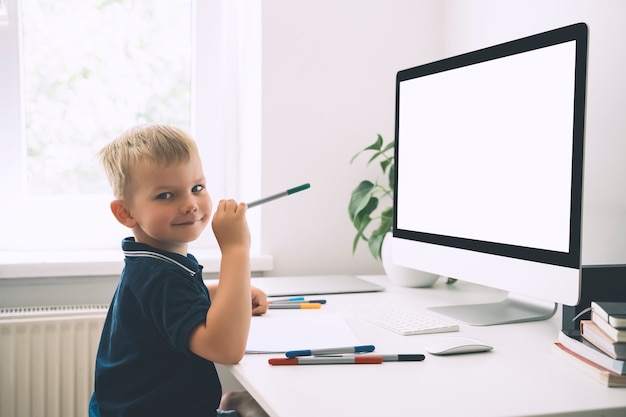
(91, 69)
(75, 74)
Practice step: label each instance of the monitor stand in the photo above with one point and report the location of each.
(513, 309)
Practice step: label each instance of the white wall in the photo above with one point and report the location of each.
(328, 88)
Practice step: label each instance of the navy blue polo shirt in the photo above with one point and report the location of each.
(144, 366)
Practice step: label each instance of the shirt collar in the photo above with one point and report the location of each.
(134, 249)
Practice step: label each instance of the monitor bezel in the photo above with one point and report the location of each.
(578, 33)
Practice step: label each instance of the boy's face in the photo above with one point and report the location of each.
(170, 205)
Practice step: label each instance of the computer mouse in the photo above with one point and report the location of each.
(455, 345)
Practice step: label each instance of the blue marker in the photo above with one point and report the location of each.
(329, 351)
(287, 300)
(296, 300)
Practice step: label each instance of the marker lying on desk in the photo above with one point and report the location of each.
(294, 306)
(287, 300)
(321, 360)
(279, 195)
(330, 351)
(300, 300)
(315, 301)
(416, 357)
(407, 357)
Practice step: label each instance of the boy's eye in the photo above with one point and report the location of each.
(197, 188)
(164, 196)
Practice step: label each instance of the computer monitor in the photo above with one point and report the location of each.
(489, 172)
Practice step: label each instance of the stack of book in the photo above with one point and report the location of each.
(599, 348)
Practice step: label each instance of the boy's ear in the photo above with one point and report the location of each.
(122, 214)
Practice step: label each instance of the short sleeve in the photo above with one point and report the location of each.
(177, 305)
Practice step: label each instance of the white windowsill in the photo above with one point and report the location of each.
(18, 264)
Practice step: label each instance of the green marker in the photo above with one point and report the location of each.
(279, 195)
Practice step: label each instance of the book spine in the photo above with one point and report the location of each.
(614, 334)
(599, 311)
(588, 367)
(593, 354)
(617, 321)
(594, 335)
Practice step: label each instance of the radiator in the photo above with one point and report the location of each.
(47, 359)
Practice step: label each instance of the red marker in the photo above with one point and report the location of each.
(331, 360)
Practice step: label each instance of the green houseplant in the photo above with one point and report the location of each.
(371, 203)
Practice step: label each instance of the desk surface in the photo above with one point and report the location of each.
(520, 377)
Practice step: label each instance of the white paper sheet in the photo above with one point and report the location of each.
(280, 331)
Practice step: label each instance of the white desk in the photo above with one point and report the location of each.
(520, 377)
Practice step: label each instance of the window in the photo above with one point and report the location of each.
(90, 69)
(76, 73)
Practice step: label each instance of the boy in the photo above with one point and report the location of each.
(165, 328)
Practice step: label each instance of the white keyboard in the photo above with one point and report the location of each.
(401, 320)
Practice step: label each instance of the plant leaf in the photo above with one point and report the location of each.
(373, 147)
(390, 145)
(355, 242)
(360, 198)
(376, 156)
(364, 199)
(375, 241)
(385, 163)
(375, 245)
(359, 235)
(377, 144)
(362, 220)
(386, 222)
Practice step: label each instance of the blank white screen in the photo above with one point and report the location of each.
(485, 151)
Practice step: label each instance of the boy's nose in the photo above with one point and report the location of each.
(189, 206)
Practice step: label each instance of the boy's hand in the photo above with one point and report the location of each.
(230, 226)
(259, 301)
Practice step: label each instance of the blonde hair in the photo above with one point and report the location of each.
(157, 143)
